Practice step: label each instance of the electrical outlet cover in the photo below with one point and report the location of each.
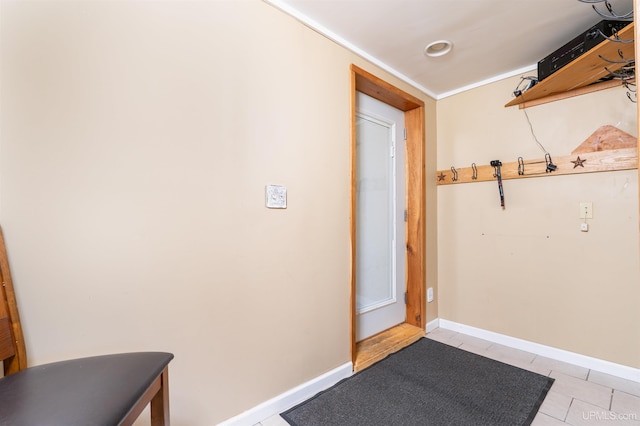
(276, 196)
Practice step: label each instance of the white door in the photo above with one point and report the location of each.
(380, 203)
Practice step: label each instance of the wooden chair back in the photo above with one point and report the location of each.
(12, 347)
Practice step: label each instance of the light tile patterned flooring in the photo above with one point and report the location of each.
(578, 397)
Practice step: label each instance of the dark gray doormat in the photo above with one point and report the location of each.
(428, 383)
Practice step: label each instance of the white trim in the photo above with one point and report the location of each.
(604, 366)
(490, 80)
(432, 325)
(290, 398)
(346, 44)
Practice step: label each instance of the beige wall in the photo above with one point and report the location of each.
(528, 271)
(137, 139)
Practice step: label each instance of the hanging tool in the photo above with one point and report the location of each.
(496, 164)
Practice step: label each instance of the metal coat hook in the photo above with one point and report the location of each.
(455, 174)
(624, 75)
(621, 61)
(607, 4)
(612, 15)
(630, 85)
(520, 166)
(631, 91)
(550, 166)
(474, 171)
(616, 38)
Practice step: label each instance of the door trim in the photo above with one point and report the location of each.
(413, 109)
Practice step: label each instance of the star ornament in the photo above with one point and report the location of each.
(578, 162)
(441, 177)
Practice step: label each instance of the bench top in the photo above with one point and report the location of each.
(97, 390)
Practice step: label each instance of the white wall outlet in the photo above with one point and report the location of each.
(276, 196)
(430, 294)
(586, 210)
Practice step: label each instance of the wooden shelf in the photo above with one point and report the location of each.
(579, 76)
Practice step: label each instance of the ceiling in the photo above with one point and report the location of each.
(492, 39)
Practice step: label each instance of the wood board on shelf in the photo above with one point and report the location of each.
(607, 149)
(606, 138)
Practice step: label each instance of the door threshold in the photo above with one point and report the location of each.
(374, 348)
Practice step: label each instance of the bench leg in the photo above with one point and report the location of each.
(160, 402)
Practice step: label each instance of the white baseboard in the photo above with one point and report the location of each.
(601, 365)
(432, 325)
(306, 390)
(290, 398)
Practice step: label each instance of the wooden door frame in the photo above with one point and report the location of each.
(367, 83)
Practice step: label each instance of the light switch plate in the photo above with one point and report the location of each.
(586, 210)
(276, 196)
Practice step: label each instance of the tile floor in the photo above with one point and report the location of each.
(578, 397)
